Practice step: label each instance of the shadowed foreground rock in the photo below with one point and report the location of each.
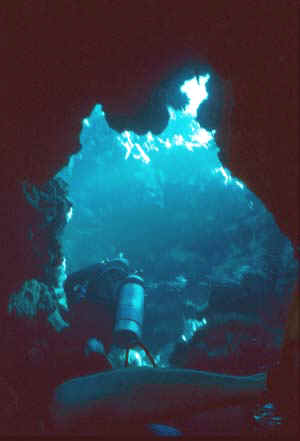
(144, 395)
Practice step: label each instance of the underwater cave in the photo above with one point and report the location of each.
(151, 158)
(209, 251)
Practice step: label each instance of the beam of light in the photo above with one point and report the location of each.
(69, 214)
(142, 154)
(239, 184)
(149, 137)
(182, 132)
(140, 147)
(64, 263)
(202, 137)
(86, 122)
(126, 141)
(227, 177)
(135, 358)
(196, 92)
(178, 139)
(191, 326)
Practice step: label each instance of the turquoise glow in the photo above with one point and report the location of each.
(196, 92)
(182, 129)
(183, 133)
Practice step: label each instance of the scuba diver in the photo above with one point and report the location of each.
(106, 307)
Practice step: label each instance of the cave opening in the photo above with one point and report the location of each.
(218, 272)
(203, 242)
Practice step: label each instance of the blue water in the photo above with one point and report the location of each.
(205, 245)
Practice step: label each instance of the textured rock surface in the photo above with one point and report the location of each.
(57, 63)
(33, 300)
(254, 51)
(45, 100)
(230, 343)
(31, 312)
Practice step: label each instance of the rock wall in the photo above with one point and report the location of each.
(51, 80)
(59, 59)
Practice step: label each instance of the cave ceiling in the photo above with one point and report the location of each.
(60, 58)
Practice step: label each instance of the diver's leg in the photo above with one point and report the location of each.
(140, 395)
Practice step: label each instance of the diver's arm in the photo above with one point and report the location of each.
(140, 395)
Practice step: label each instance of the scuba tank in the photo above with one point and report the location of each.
(119, 294)
(110, 285)
(129, 312)
(126, 291)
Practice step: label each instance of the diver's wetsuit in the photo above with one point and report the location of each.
(126, 400)
(92, 306)
(90, 317)
(71, 353)
(79, 349)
